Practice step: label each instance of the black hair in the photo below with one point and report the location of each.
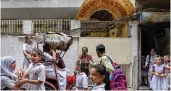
(85, 48)
(100, 48)
(26, 38)
(46, 47)
(100, 69)
(153, 50)
(39, 52)
(84, 68)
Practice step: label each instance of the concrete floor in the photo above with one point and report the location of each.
(129, 89)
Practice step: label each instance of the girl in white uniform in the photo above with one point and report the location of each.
(167, 64)
(8, 75)
(35, 72)
(81, 77)
(27, 49)
(158, 81)
(97, 75)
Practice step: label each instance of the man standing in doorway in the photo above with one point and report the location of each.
(150, 60)
(106, 61)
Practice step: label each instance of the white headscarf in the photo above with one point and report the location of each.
(6, 61)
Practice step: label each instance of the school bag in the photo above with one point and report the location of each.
(117, 79)
(71, 81)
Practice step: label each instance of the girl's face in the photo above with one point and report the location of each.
(35, 58)
(12, 66)
(29, 39)
(166, 59)
(158, 61)
(96, 77)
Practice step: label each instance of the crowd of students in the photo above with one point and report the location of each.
(157, 70)
(33, 74)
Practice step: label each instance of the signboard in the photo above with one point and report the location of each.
(27, 26)
(104, 29)
(117, 8)
(155, 17)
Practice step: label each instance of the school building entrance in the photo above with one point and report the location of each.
(98, 26)
(154, 33)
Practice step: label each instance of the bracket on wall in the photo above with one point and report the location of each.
(129, 31)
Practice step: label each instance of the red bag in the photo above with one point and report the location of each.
(71, 81)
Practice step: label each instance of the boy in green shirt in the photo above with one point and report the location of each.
(105, 61)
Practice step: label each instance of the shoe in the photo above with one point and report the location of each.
(146, 84)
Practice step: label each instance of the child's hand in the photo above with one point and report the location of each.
(24, 80)
(20, 73)
(157, 74)
(167, 67)
(162, 75)
(20, 82)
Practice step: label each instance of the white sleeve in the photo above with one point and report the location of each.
(85, 82)
(47, 56)
(24, 47)
(41, 74)
(147, 60)
(7, 82)
(29, 68)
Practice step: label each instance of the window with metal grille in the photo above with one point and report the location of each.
(104, 29)
(12, 26)
(4, 0)
(51, 25)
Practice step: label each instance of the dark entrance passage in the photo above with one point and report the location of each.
(153, 36)
(157, 36)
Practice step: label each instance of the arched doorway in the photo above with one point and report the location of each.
(93, 11)
(101, 15)
(117, 8)
(105, 10)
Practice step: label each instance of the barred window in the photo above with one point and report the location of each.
(51, 25)
(104, 29)
(12, 26)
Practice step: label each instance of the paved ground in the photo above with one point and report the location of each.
(130, 89)
(144, 88)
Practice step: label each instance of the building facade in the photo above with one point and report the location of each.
(90, 22)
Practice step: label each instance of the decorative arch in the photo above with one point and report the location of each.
(118, 8)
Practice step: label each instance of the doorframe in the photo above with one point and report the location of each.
(139, 56)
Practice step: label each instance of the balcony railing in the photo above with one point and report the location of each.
(39, 25)
(12, 26)
(51, 25)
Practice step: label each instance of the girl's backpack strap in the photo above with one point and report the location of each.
(153, 68)
(164, 70)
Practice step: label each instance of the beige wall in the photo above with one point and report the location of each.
(118, 48)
